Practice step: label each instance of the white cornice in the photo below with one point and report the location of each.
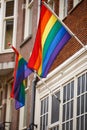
(68, 66)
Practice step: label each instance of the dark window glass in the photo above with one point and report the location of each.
(83, 83)
(78, 123)
(72, 89)
(41, 123)
(78, 106)
(55, 108)
(68, 92)
(82, 123)
(41, 107)
(86, 122)
(82, 104)
(86, 103)
(44, 122)
(64, 94)
(45, 106)
(9, 8)
(67, 126)
(71, 114)
(79, 85)
(86, 81)
(63, 127)
(64, 112)
(67, 115)
(71, 125)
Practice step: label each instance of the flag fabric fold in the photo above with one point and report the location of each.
(50, 39)
(21, 72)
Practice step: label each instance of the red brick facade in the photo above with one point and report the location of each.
(76, 21)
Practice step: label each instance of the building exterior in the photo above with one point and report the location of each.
(61, 98)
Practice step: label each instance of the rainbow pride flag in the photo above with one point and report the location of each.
(21, 72)
(50, 39)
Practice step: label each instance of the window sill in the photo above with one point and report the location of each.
(25, 41)
(24, 128)
(6, 51)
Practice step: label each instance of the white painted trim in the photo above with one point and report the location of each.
(64, 64)
(57, 79)
(2, 24)
(7, 65)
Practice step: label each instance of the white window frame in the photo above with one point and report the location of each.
(23, 110)
(63, 8)
(28, 19)
(3, 19)
(76, 2)
(8, 107)
(56, 80)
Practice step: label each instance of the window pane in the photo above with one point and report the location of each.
(82, 104)
(79, 85)
(82, 123)
(55, 108)
(71, 125)
(85, 122)
(68, 92)
(64, 109)
(63, 127)
(78, 123)
(86, 81)
(67, 115)
(83, 83)
(67, 126)
(44, 114)
(64, 96)
(71, 114)
(86, 103)
(72, 89)
(78, 105)
(9, 32)
(41, 107)
(9, 8)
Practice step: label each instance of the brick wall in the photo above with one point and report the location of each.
(77, 22)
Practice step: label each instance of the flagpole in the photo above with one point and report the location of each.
(65, 26)
(9, 44)
(34, 82)
(48, 87)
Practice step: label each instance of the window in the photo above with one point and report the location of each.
(28, 19)
(67, 116)
(55, 108)
(23, 110)
(8, 23)
(8, 11)
(82, 102)
(66, 6)
(44, 114)
(71, 112)
(54, 5)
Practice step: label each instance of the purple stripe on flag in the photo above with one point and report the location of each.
(56, 52)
